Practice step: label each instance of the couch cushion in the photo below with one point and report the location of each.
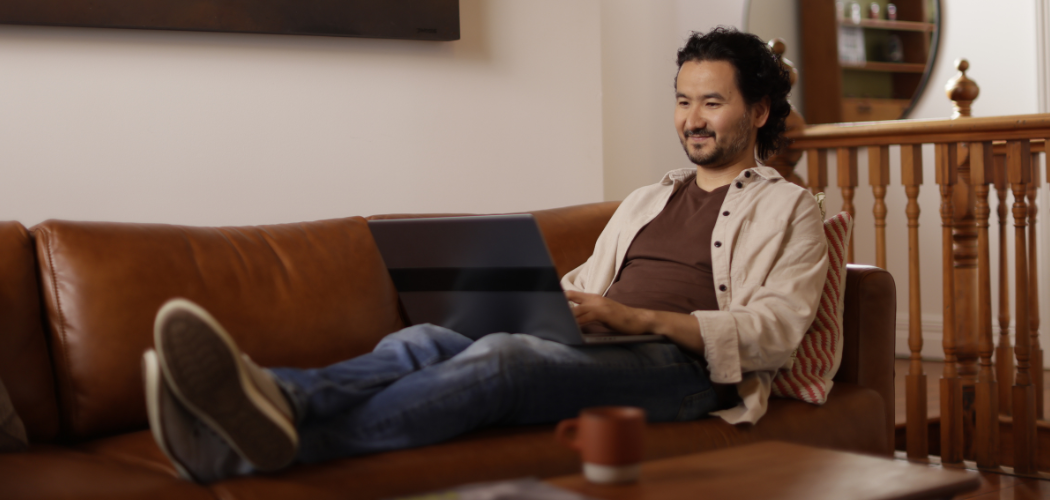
(851, 419)
(300, 295)
(25, 366)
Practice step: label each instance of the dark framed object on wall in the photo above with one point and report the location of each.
(404, 19)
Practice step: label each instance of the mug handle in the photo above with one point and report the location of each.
(561, 433)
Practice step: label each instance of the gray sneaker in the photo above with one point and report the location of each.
(219, 385)
(197, 452)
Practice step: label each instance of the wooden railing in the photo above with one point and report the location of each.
(981, 385)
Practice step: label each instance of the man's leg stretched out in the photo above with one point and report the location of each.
(422, 385)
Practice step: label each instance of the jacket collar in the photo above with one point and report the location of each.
(684, 174)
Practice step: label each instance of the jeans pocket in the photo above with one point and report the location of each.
(697, 405)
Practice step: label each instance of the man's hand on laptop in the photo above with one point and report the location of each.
(681, 329)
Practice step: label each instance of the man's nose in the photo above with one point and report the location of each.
(695, 120)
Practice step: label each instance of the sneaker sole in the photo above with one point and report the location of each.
(152, 379)
(201, 363)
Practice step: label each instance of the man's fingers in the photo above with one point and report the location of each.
(578, 297)
(583, 319)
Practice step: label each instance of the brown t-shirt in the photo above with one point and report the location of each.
(668, 266)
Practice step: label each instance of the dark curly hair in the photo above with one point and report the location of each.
(758, 74)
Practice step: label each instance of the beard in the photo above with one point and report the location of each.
(726, 149)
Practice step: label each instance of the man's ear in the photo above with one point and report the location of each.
(760, 112)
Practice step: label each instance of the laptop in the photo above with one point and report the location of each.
(482, 274)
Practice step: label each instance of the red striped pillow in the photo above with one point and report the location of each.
(818, 356)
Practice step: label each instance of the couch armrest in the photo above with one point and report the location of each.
(869, 331)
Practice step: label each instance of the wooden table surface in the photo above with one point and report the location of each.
(777, 470)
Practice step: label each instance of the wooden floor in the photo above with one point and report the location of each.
(993, 486)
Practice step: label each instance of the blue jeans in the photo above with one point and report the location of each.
(426, 384)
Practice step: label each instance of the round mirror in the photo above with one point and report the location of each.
(856, 60)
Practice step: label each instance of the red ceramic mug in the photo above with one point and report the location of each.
(610, 440)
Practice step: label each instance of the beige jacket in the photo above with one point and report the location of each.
(769, 261)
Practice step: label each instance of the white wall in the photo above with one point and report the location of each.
(640, 39)
(217, 129)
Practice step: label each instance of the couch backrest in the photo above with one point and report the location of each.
(25, 366)
(304, 295)
(570, 232)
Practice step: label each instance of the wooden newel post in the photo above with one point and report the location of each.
(962, 90)
(986, 430)
(1019, 173)
(951, 386)
(915, 402)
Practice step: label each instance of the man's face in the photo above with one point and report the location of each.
(716, 126)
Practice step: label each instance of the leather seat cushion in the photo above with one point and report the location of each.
(47, 471)
(850, 420)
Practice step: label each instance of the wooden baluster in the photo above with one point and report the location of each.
(915, 391)
(817, 164)
(879, 178)
(1019, 173)
(1040, 387)
(951, 385)
(986, 430)
(1035, 351)
(1004, 353)
(846, 160)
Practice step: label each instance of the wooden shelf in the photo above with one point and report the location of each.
(828, 80)
(881, 24)
(866, 109)
(886, 67)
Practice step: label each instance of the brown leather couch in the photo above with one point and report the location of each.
(77, 301)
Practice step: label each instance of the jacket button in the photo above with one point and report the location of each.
(747, 174)
(722, 288)
(718, 244)
(726, 213)
(739, 185)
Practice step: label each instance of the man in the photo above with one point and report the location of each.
(727, 260)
